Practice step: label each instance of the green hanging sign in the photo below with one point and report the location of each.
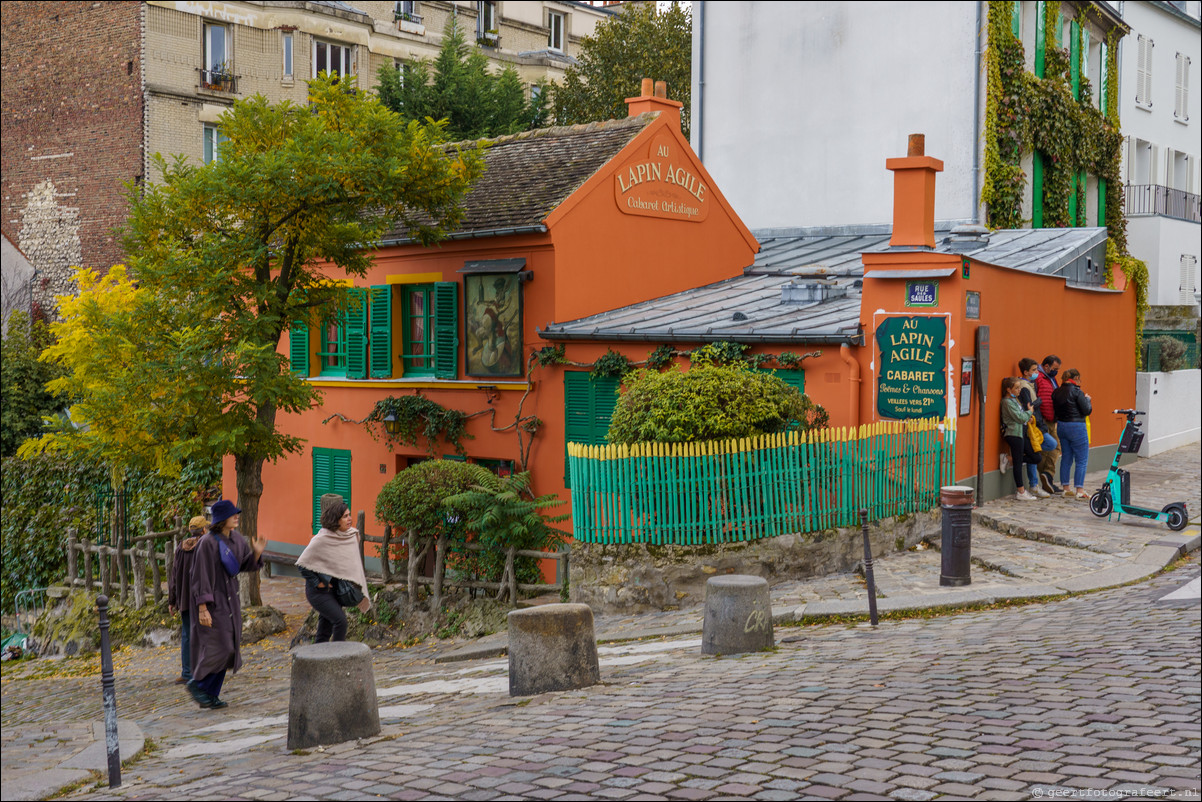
(912, 372)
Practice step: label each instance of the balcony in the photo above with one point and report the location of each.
(1153, 199)
(218, 80)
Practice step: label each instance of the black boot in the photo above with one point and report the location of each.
(199, 696)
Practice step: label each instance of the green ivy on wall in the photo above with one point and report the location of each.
(1027, 114)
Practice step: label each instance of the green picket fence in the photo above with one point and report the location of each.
(750, 488)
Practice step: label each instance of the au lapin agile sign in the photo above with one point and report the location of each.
(662, 182)
(912, 378)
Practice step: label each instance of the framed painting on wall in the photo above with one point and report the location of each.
(493, 324)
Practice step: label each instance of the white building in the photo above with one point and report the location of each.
(1161, 119)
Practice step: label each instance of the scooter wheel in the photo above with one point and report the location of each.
(1100, 503)
(1177, 518)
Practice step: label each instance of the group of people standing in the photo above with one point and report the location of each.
(203, 589)
(1045, 415)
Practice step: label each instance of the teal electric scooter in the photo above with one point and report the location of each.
(1116, 493)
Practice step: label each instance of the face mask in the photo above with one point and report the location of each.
(1034, 375)
(1052, 373)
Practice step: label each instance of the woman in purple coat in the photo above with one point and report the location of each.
(216, 613)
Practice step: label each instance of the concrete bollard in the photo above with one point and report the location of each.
(738, 615)
(552, 648)
(333, 695)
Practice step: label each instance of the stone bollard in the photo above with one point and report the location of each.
(552, 648)
(333, 696)
(738, 615)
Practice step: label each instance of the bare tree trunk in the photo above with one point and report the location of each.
(249, 481)
(440, 561)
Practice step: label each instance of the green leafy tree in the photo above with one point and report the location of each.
(459, 88)
(709, 402)
(23, 377)
(229, 254)
(638, 42)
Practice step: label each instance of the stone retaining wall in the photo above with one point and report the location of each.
(638, 577)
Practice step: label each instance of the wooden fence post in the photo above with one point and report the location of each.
(106, 569)
(122, 570)
(565, 563)
(72, 561)
(359, 520)
(511, 569)
(87, 564)
(385, 559)
(155, 576)
(440, 560)
(411, 568)
(139, 570)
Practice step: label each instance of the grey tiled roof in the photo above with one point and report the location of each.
(749, 308)
(528, 175)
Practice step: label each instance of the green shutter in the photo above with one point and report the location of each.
(1041, 36)
(331, 474)
(1101, 202)
(1059, 30)
(794, 378)
(1016, 19)
(381, 332)
(1105, 73)
(356, 333)
(1037, 190)
(446, 330)
(298, 348)
(588, 408)
(1075, 58)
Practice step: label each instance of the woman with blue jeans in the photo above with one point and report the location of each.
(1072, 406)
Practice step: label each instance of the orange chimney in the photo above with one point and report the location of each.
(654, 97)
(913, 195)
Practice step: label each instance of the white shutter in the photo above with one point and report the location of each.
(1189, 271)
(1181, 105)
(1141, 58)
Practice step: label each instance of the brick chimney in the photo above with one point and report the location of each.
(913, 195)
(654, 97)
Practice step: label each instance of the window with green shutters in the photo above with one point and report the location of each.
(380, 337)
(331, 474)
(1037, 190)
(358, 341)
(1016, 19)
(430, 323)
(298, 347)
(588, 406)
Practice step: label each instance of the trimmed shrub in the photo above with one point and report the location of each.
(709, 402)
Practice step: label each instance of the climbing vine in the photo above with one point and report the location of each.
(1026, 114)
(417, 416)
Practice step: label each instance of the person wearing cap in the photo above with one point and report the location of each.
(216, 613)
(179, 593)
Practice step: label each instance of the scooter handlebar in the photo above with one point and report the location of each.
(1129, 412)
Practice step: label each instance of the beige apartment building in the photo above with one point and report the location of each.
(93, 89)
(200, 57)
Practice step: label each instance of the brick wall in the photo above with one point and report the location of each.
(72, 132)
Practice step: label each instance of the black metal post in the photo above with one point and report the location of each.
(868, 577)
(112, 741)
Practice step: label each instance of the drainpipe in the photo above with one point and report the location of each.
(853, 367)
(698, 96)
(978, 112)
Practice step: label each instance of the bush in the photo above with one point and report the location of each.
(45, 495)
(709, 402)
(23, 383)
(412, 500)
(1172, 352)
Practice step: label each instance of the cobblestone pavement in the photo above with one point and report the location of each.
(1168, 477)
(1094, 692)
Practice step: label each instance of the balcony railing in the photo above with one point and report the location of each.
(218, 81)
(1156, 199)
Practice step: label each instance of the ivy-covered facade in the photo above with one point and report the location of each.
(1053, 143)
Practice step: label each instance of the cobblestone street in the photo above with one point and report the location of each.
(1092, 692)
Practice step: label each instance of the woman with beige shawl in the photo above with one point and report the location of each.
(332, 554)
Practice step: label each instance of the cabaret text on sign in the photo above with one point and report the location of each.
(912, 373)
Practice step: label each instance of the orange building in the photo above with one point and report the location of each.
(612, 237)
